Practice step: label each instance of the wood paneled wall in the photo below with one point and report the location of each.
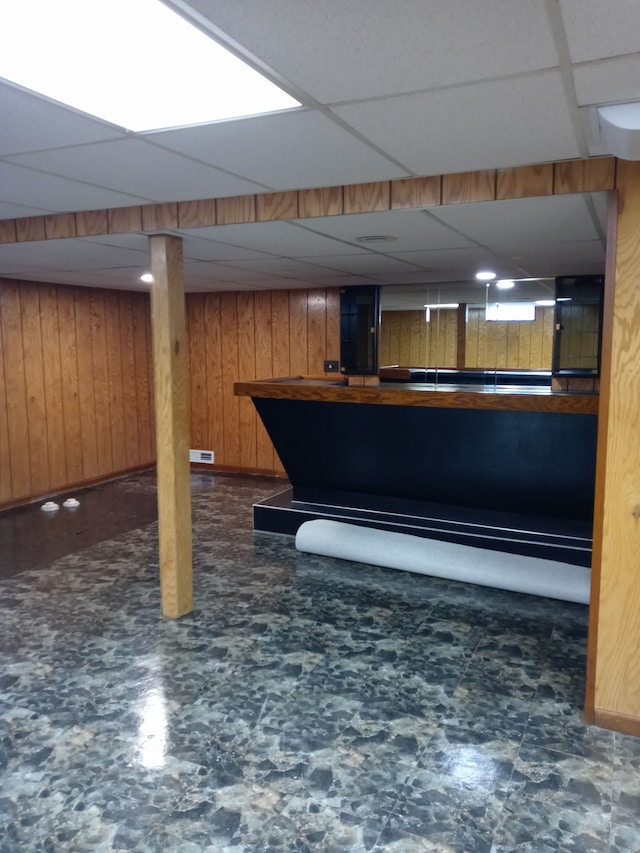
(76, 379)
(406, 339)
(580, 338)
(510, 345)
(75, 387)
(239, 336)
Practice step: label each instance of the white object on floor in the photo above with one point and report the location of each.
(533, 575)
(49, 506)
(71, 502)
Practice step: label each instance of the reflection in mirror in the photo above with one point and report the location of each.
(578, 325)
(495, 328)
(471, 326)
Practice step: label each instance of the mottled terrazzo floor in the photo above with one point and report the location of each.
(307, 704)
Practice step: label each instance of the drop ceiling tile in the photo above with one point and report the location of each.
(293, 284)
(582, 252)
(25, 256)
(138, 242)
(74, 254)
(134, 166)
(555, 268)
(288, 150)
(412, 230)
(31, 123)
(19, 185)
(210, 250)
(335, 50)
(122, 280)
(489, 125)
(21, 267)
(434, 259)
(596, 29)
(9, 210)
(464, 263)
(223, 272)
(611, 80)
(338, 262)
(283, 267)
(275, 238)
(552, 219)
(397, 278)
(206, 284)
(373, 264)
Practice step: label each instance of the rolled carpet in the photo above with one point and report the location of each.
(548, 578)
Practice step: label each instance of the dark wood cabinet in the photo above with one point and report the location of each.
(359, 329)
(578, 325)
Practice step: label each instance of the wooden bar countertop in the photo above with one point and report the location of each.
(508, 398)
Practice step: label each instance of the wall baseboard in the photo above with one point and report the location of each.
(616, 722)
(73, 487)
(237, 469)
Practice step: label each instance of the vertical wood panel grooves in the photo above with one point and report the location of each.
(6, 476)
(72, 342)
(16, 390)
(53, 389)
(34, 378)
(8, 231)
(46, 345)
(261, 333)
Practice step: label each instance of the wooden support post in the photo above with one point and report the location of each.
(613, 677)
(172, 424)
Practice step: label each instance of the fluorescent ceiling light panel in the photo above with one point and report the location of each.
(134, 63)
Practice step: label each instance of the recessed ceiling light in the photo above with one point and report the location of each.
(505, 284)
(545, 303)
(146, 277)
(485, 275)
(376, 238)
(138, 65)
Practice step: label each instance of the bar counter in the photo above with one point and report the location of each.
(508, 468)
(505, 398)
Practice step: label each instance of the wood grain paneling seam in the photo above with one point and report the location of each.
(65, 378)
(570, 176)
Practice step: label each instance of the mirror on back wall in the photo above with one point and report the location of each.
(523, 332)
(469, 325)
(509, 323)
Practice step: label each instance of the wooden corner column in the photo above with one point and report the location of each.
(613, 677)
(172, 424)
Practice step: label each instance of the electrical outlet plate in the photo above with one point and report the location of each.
(331, 366)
